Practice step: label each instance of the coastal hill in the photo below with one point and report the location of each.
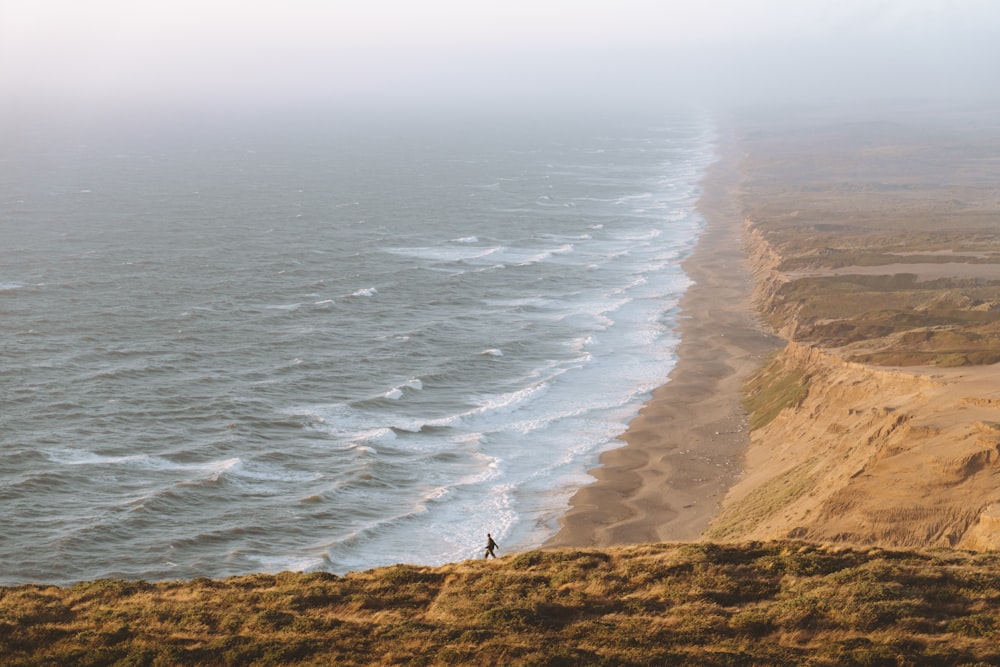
(860, 529)
(875, 251)
(683, 604)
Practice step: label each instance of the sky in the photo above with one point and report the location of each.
(97, 56)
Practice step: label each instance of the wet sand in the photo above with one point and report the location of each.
(684, 449)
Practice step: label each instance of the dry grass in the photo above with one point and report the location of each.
(678, 604)
(836, 196)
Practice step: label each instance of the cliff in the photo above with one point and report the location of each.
(879, 423)
(865, 455)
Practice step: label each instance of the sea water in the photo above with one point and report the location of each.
(326, 347)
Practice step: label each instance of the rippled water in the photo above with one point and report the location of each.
(322, 348)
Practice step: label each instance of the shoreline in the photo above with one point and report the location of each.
(684, 449)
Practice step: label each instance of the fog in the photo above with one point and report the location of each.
(116, 58)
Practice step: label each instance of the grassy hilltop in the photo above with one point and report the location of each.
(666, 604)
(876, 255)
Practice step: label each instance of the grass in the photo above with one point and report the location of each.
(933, 324)
(761, 503)
(773, 389)
(679, 604)
(841, 196)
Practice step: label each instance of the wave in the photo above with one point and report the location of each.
(397, 392)
(446, 254)
(521, 257)
(84, 457)
(491, 257)
(250, 470)
(373, 423)
(510, 401)
(289, 563)
(638, 235)
(234, 467)
(350, 426)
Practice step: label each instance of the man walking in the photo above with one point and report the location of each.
(490, 546)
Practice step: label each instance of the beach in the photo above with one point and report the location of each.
(684, 448)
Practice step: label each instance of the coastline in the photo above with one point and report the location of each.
(684, 449)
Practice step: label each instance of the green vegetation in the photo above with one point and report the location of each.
(772, 390)
(940, 322)
(761, 503)
(676, 604)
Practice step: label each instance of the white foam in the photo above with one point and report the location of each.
(412, 425)
(640, 280)
(469, 438)
(288, 563)
(519, 302)
(645, 196)
(415, 384)
(447, 254)
(580, 344)
(83, 457)
(567, 237)
(213, 469)
(529, 256)
(264, 472)
(280, 306)
(436, 494)
(644, 235)
(366, 291)
(216, 470)
(509, 401)
(380, 435)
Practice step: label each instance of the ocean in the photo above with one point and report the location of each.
(327, 346)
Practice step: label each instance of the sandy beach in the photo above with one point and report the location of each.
(684, 449)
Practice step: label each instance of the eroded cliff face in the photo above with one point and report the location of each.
(854, 453)
(872, 456)
(764, 263)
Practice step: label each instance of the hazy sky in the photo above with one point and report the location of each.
(94, 54)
